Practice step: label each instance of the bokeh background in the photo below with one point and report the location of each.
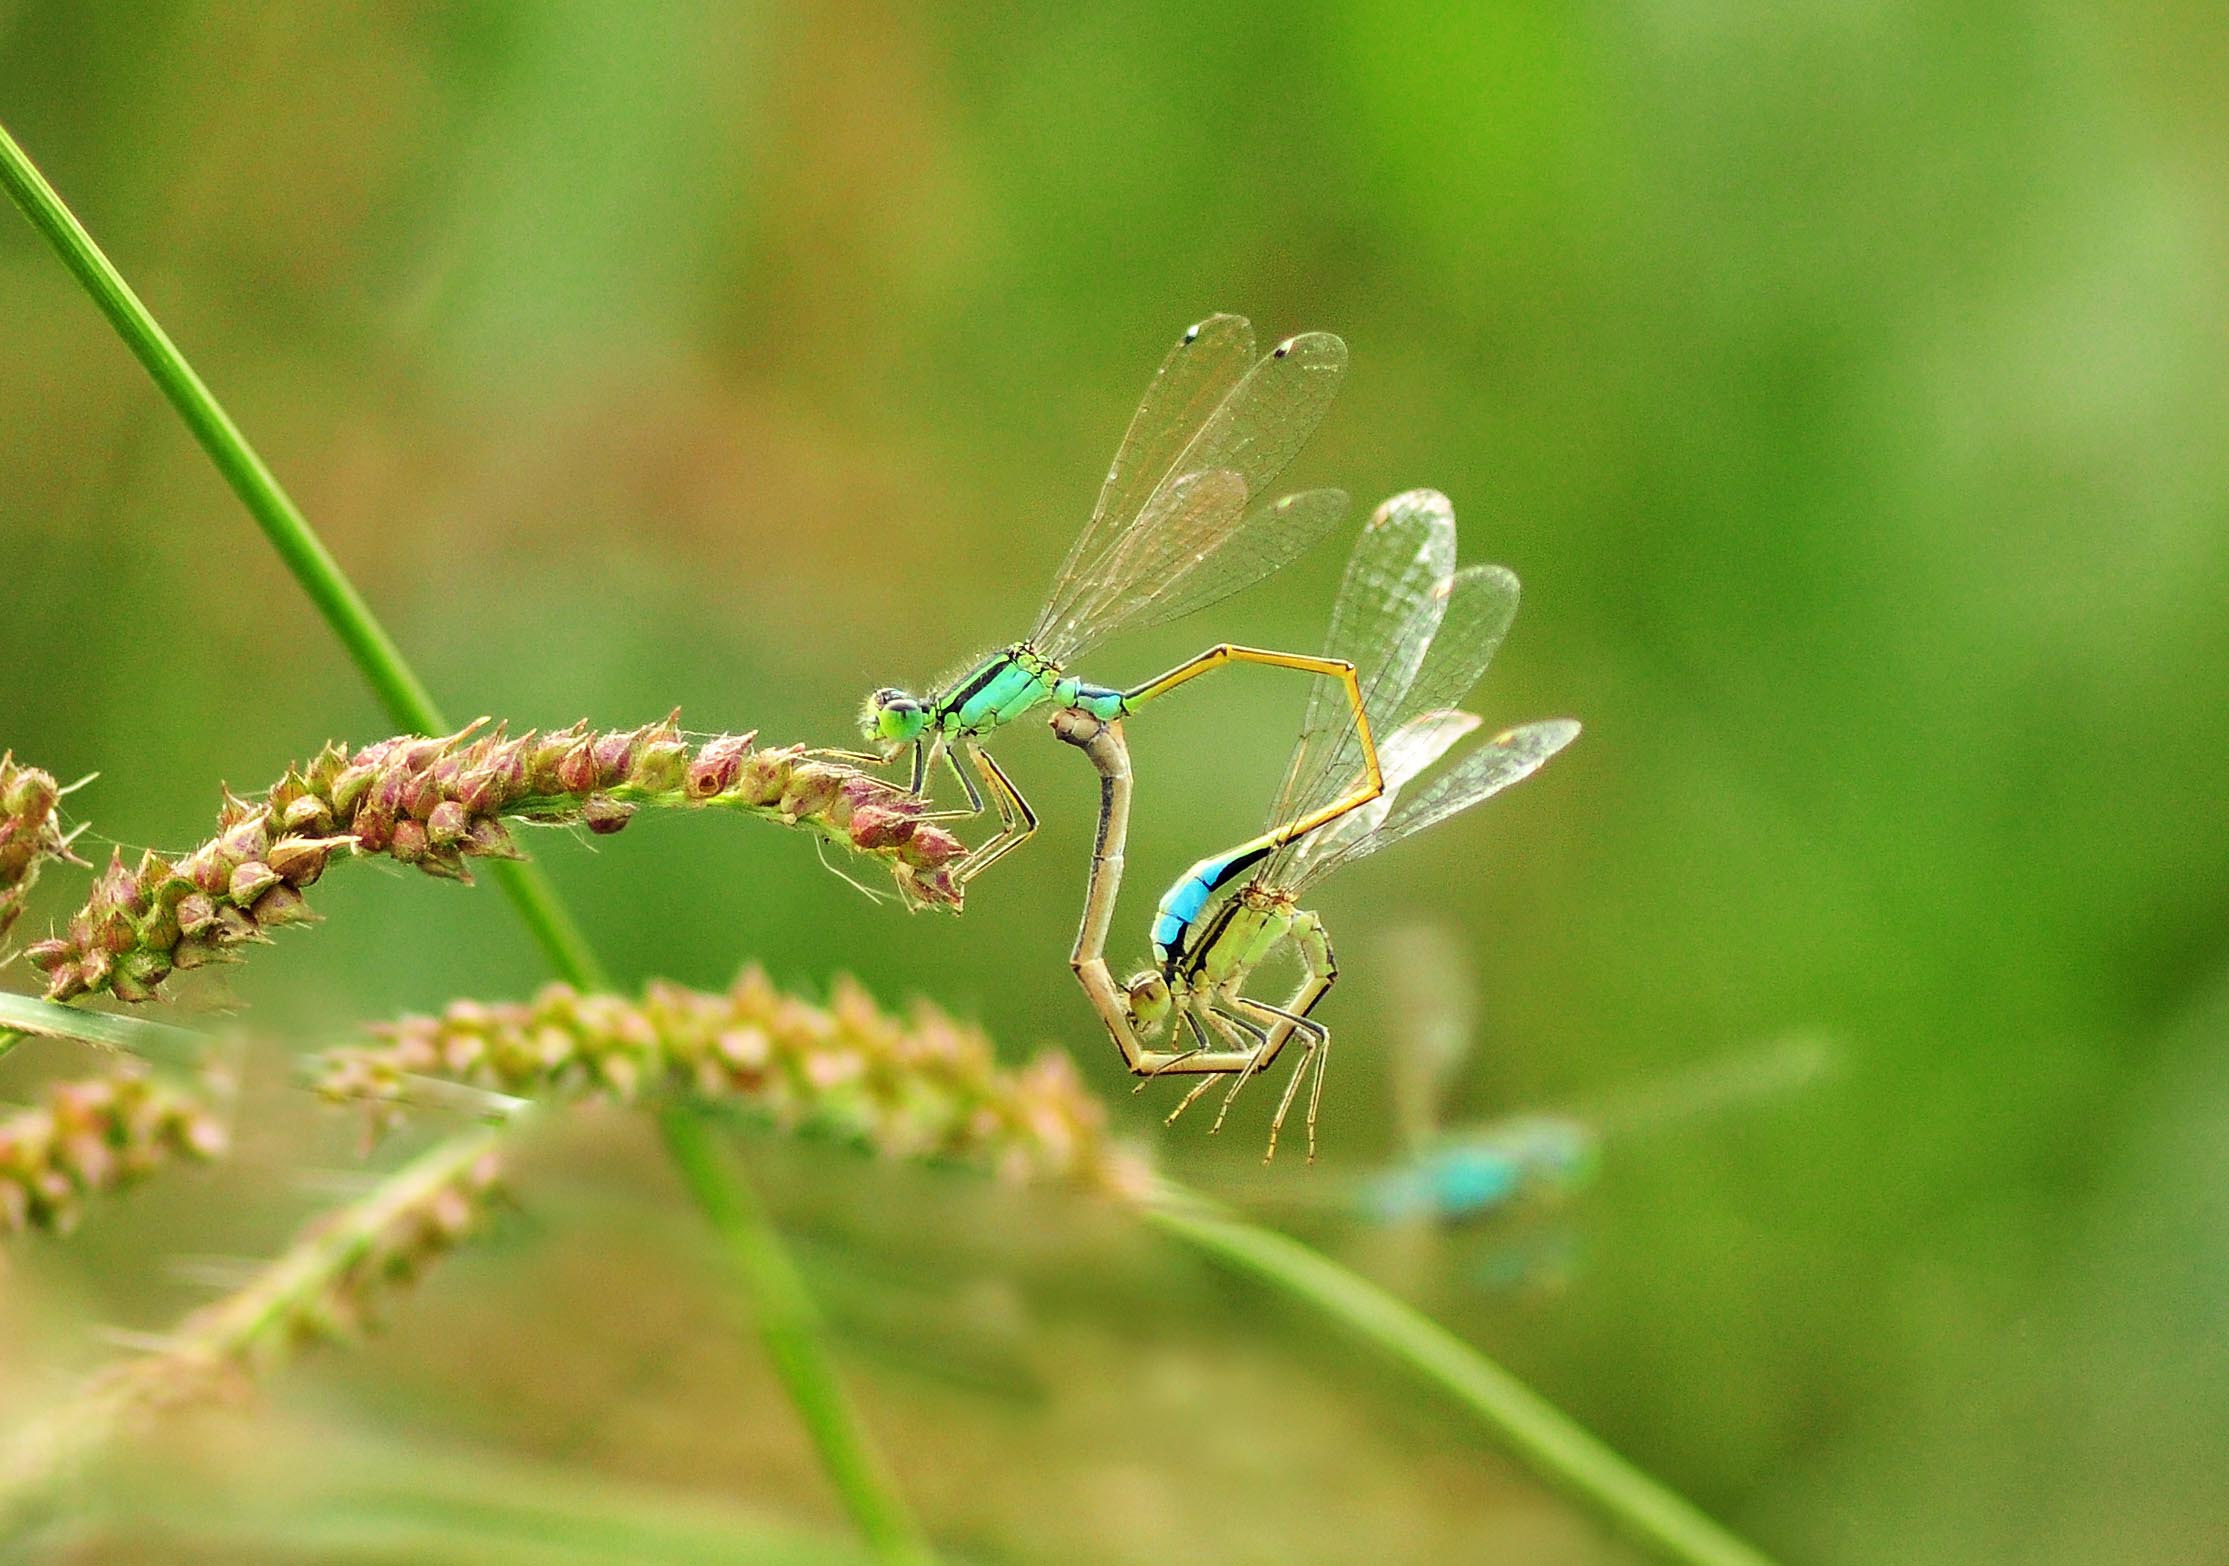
(1845, 383)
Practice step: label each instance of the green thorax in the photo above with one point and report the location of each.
(1247, 930)
(1012, 682)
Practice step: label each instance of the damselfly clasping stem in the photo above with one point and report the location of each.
(1184, 520)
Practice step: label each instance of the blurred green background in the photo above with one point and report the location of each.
(1845, 383)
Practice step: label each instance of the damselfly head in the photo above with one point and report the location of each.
(893, 717)
(1146, 998)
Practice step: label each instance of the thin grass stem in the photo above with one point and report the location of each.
(791, 1327)
(1533, 1430)
(312, 565)
(21, 1016)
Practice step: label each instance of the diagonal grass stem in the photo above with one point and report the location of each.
(1533, 1430)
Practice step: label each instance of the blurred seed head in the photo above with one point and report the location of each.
(918, 1087)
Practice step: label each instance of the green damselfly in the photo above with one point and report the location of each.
(1419, 635)
(1182, 522)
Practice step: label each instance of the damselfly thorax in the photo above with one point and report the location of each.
(1010, 683)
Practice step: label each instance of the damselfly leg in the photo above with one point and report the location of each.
(1016, 821)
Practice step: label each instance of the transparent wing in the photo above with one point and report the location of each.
(1481, 604)
(1254, 432)
(1434, 655)
(1193, 380)
(1389, 605)
(1260, 427)
(1388, 609)
(1403, 755)
(1184, 555)
(1507, 758)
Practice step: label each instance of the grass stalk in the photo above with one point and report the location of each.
(790, 1325)
(319, 575)
(1533, 1430)
(440, 805)
(319, 1286)
(22, 1017)
(411, 705)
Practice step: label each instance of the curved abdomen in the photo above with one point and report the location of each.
(1182, 904)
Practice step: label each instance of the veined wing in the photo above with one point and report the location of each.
(1481, 604)
(1254, 432)
(1193, 381)
(1425, 661)
(1184, 555)
(1403, 755)
(1388, 609)
(1199, 511)
(1507, 758)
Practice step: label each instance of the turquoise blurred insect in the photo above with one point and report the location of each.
(1469, 1174)
(1491, 1175)
(1454, 1176)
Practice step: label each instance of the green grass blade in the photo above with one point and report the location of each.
(368, 644)
(808, 1376)
(1535, 1431)
(22, 1015)
(795, 1337)
(369, 647)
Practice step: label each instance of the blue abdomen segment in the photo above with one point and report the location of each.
(1101, 702)
(1183, 903)
(1180, 910)
(1168, 938)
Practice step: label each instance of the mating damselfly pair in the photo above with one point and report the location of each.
(1184, 519)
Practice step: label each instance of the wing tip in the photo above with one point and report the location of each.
(1314, 350)
(1412, 502)
(1218, 320)
(1548, 735)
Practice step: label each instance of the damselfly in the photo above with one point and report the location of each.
(1466, 1174)
(1182, 522)
(1419, 635)
(1444, 1174)
(1535, 1163)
